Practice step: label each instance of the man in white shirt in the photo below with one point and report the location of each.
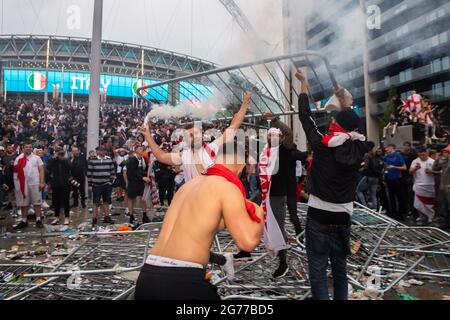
(28, 183)
(425, 194)
(197, 157)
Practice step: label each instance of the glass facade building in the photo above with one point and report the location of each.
(409, 51)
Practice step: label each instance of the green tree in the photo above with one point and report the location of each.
(390, 108)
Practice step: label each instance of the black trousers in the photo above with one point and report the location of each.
(292, 208)
(167, 283)
(61, 199)
(166, 187)
(383, 196)
(79, 192)
(397, 198)
(409, 193)
(218, 259)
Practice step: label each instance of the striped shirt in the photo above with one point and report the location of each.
(100, 171)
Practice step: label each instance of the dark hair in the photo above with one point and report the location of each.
(407, 143)
(233, 147)
(392, 145)
(422, 149)
(348, 120)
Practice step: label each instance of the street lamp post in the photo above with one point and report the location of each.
(46, 72)
(94, 93)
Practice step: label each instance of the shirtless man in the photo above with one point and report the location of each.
(198, 157)
(175, 270)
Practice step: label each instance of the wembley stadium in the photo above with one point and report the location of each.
(125, 67)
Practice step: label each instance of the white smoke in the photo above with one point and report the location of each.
(266, 18)
(347, 27)
(204, 110)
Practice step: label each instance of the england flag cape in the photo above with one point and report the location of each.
(273, 237)
(425, 199)
(151, 194)
(20, 181)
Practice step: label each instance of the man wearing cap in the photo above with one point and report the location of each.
(101, 175)
(332, 187)
(441, 168)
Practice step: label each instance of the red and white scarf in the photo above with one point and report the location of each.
(207, 157)
(19, 169)
(221, 171)
(425, 200)
(273, 237)
(151, 195)
(209, 151)
(337, 136)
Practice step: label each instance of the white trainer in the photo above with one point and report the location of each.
(229, 265)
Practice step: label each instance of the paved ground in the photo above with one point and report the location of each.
(32, 238)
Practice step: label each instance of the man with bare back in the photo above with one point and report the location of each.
(204, 206)
(197, 156)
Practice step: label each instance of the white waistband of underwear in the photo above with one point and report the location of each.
(171, 263)
(318, 203)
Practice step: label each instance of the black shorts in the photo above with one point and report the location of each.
(135, 190)
(167, 283)
(103, 192)
(120, 181)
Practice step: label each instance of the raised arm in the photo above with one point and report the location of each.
(171, 159)
(240, 115)
(238, 118)
(245, 232)
(312, 133)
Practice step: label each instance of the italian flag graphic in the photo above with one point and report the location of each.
(37, 81)
(138, 84)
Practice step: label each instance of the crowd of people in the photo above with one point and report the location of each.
(51, 140)
(410, 184)
(411, 180)
(43, 156)
(428, 121)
